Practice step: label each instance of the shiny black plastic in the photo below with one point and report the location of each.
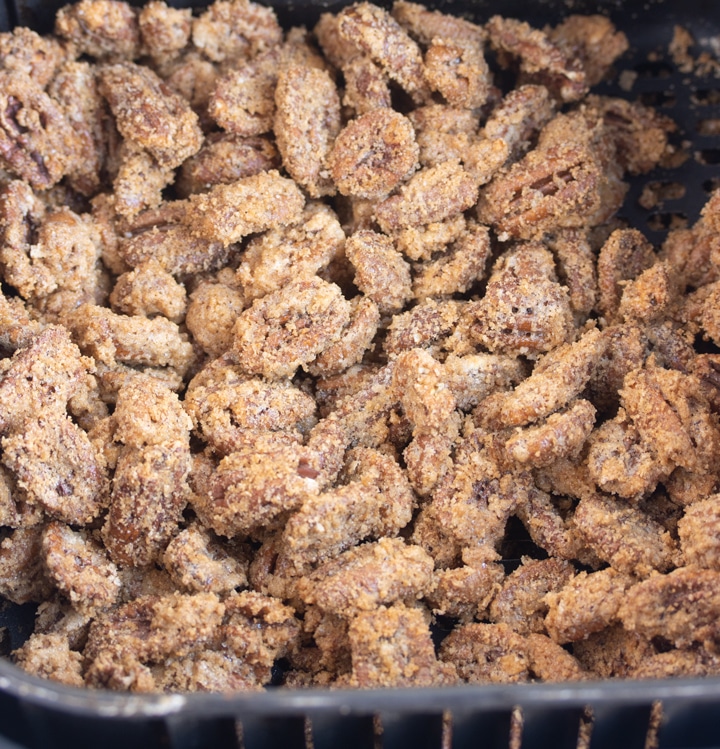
(40, 715)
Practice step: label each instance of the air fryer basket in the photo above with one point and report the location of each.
(677, 713)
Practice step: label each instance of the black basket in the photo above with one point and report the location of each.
(675, 713)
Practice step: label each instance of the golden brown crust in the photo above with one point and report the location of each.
(313, 355)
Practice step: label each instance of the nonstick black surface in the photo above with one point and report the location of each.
(45, 716)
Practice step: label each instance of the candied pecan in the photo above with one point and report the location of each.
(443, 133)
(368, 576)
(374, 31)
(55, 463)
(243, 100)
(698, 532)
(25, 52)
(225, 159)
(471, 378)
(227, 213)
(458, 72)
(366, 86)
(625, 254)
(556, 187)
(621, 462)
(681, 606)
(557, 378)
(210, 316)
(149, 629)
(149, 290)
(207, 671)
(486, 653)
(484, 157)
(519, 117)
(707, 316)
(23, 577)
(125, 339)
(41, 379)
(550, 662)
(686, 487)
(381, 273)
(373, 154)
(422, 242)
(433, 194)
(524, 309)
(624, 536)
(360, 418)
(562, 435)
(37, 140)
(520, 601)
(148, 413)
(193, 77)
(66, 245)
(613, 652)
(594, 40)
(465, 592)
(677, 663)
(283, 254)
(673, 417)
(258, 628)
(458, 269)
(149, 114)
(356, 338)
(14, 511)
(104, 29)
(75, 89)
(147, 498)
(235, 29)
(377, 501)
(640, 133)
(337, 50)
(428, 325)
(290, 327)
(173, 246)
(79, 566)
(444, 548)
(692, 252)
(253, 487)
(541, 61)
(307, 121)
(164, 30)
(49, 656)
(472, 505)
(425, 25)
(547, 524)
(585, 604)
(626, 350)
(271, 573)
(197, 561)
(17, 328)
(576, 268)
(392, 647)
(139, 182)
(225, 404)
(430, 407)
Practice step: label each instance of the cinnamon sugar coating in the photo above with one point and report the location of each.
(327, 361)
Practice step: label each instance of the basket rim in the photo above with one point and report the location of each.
(290, 702)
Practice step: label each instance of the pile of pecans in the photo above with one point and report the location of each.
(299, 329)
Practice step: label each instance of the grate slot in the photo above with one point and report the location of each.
(616, 726)
(192, 732)
(689, 725)
(550, 726)
(419, 731)
(272, 732)
(329, 731)
(491, 730)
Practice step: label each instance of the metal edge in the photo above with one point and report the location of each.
(457, 699)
